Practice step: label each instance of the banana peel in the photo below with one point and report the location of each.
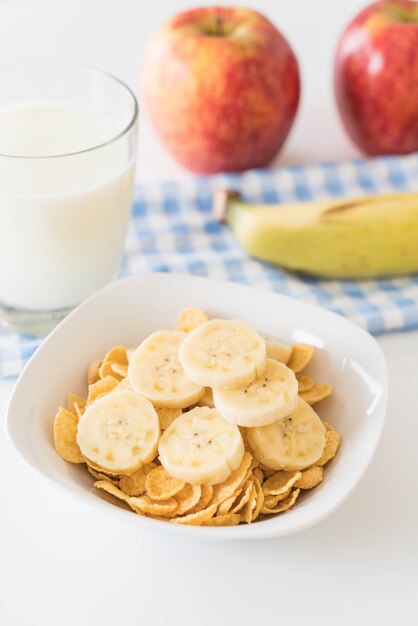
(362, 237)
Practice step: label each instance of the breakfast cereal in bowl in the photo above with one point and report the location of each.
(205, 424)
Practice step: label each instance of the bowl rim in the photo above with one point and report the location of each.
(263, 529)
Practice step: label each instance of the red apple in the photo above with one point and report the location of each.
(222, 88)
(376, 78)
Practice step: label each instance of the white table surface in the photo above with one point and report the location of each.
(61, 564)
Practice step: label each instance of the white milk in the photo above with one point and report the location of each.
(63, 220)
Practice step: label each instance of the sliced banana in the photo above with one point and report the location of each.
(223, 354)
(156, 372)
(291, 443)
(200, 447)
(269, 397)
(278, 351)
(119, 432)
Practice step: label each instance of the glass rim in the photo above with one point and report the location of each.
(105, 73)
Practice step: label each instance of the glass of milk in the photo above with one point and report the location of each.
(67, 150)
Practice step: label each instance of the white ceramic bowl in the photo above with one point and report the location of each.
(126, 311)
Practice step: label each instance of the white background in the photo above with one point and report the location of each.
(62, 565)
(112, 34)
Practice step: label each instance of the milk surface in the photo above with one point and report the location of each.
(63, 219)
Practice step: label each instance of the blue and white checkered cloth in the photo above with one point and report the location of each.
(173, 230)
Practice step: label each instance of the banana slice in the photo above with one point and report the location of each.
(292, 443)
(278, 351)
(269, 397)
(119, 432)
(224, 354)
(156, 372)
(200, 447)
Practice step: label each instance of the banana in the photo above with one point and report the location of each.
(278, 351)
(200, 447)
(223, 354)
(348, 238)
(269, 397)
(291, 443)
(156, 372)
(119, 432)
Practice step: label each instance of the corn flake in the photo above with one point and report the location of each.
(167, 416)
(280, 482)
(259, 501)
(144, 504)
(119, 370)
(160, 486)
(316, 393)
(109, 487)
(278, 351)
(93, 374)
(65, 436)
(226, 505)
(331, 445)
(100, 469)
(249, 508)
(102, 476)
(101, 388)
(115, 356)
(76, 404)
(301, 355)
(187, 498)
(231, 519)
(310, 478)
(79, 409)
(224, 490)
(242, 498)
(124, 385)
(267, 471)
(204, 500)
(305, 382)
(196, 519)
(258, 474)
(191, 318)
(284, 505)
(271, 501)
(134, 485)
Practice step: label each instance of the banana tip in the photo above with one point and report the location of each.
(220, 202)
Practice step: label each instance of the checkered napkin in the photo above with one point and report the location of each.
(173, 230)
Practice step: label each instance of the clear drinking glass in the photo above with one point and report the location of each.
(67, 150)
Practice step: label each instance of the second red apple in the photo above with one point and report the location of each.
(376, 78)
